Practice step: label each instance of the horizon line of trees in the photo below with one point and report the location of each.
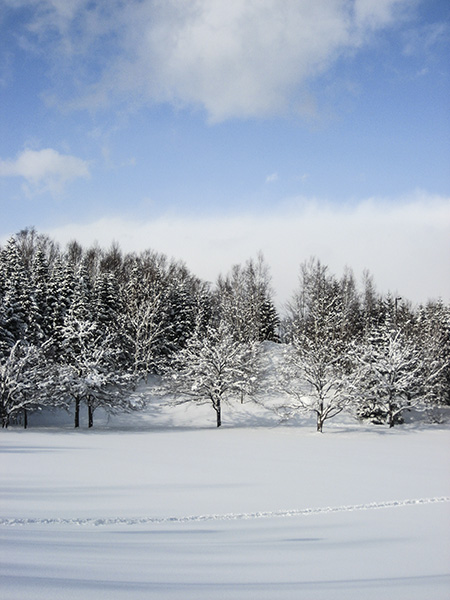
(85, 326)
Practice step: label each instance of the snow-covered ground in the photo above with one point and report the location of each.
(165, 506)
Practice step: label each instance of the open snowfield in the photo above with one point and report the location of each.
(168, 507)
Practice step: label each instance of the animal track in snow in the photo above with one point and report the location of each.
(97, 522)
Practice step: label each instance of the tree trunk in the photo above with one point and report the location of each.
(25, 418)
(90, 416)
(391, 420)
(320, 419)
(77, 412)
(218, 412)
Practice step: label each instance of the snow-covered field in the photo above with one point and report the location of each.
(168, 507)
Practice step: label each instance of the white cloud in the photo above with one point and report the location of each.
(45, 170)
(234, 59)
(240, 58)
(404, 244)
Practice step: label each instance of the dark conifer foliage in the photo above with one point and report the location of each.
(17, 298)
(244, 300)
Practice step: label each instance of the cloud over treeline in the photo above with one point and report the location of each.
(232, 59)
(405, 244)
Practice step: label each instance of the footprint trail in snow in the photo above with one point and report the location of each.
(97, 522)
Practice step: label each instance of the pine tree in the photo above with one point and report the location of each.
(432, 334)
(106, 302)
(349, 307)
(80, 342)
(244, 300)
(60, 295)
(6, 336)
(388, 376)
(17, 301)
(40, 318)
(270, 322)
(181, 312)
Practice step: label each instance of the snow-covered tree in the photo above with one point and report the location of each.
(389, 376)
(349, 306)
(16, 296)
(432, 335)
(98, 386)
(314, 374)
(28, 381)
(370, 304)
(181, 312)
(41, 326)
(214, 368)
(245, 302)
(144, 323)
(112, 262)
(106, 301)
(313, 382)
(89, 352)
(91, 374)
(108, 318)
(7, 337)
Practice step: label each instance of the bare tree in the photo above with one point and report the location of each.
(213, 369)
(315, 370)
(28, 381)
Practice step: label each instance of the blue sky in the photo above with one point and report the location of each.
(210, 131)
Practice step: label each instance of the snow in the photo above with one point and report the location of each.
(164, 505)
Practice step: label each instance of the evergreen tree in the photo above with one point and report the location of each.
(270, 321)
(245, 302)
(181, 311)
(106, 302)
(349, 307)
(388, 376)
(17, 300)
(432, 334)
(41, 325)
(6, 336)
(80, 341)
(60, 295)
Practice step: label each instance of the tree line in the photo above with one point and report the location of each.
(87, 326)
